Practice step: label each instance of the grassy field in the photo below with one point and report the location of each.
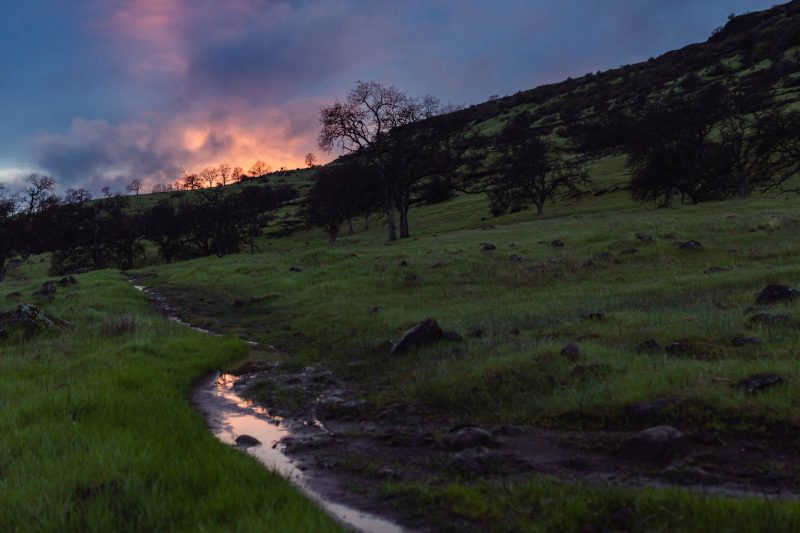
(96, 432)
(517, 315)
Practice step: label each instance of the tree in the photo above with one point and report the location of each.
(259, 169)
(38, 190)
(311, 160)
(10, 233)
(237, 174)
(159, 188)
(77, 196)
(106, 191)
(367, 123)
(529, 168)
(135, 186)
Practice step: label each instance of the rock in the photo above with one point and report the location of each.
(514, 258)
(475, 460)
(760, 382)
(29, 317)
(488, 247)
(571, 352)
(67, 281)
(658, 443)
(777, 293)
(452, 336)
(375, 310)
(597, 317)
(412, 278)
(426, 332)
(469, 437)
(602, 256)
(296, 269)
(644, 237)
(770, 320)
(690, 245)
(388, 474)
(629, 251)
(677, 347)
(14, 296)
(246, 441)
(558, 243)
(47, 291)
(744, 341)
(403, 263)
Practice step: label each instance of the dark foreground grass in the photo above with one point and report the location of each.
(96, 432)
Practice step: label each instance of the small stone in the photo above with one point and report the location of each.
(514, 258)
(644, 237)
(386, 473)
(488, 247)
(403, 263)
(777, 293)
(597, 317)
(760, 382)
(558, 243)
(375, 310)
(571, 352)
(690, 245)
(744, 341)
(677, 347)
(296, 269)
(650, 409)
(654, 444)
(246, 441)
(412, 278)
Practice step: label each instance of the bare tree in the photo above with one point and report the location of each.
(159, 188)
(106, 191)
(39, 189)
(225, 174)
(311, 160)
(209, 177)
(258, 169)
(364, 123)
(237, 174)
(135, 186)
(77, 196)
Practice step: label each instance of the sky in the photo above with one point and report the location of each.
(99, 92)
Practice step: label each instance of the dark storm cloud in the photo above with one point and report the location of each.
(136, 88)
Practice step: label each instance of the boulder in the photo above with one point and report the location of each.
(775, 293)
(29, 317)
(426, 332)
(760, 382)
(469, 437)
(47, 291)
(558, 243)
(659, 443)
(571, 352)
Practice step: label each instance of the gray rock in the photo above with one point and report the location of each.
(488, 247)
(777, 294)
(654, 444)
(514, 258)
(469, 437)
(375, 310)
(571, 352)
(412, 278)
(47, 291)
(760, 382)
(403, 263)
(558, 243)
(644, 237)
(690, 245)
(296, 269)
(426, 332)
(247, 441)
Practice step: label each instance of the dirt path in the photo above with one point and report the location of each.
(346, 448)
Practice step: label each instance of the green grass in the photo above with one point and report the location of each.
(97, 434)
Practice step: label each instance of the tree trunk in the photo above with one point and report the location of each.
(366, 222)
(390, 223)
(349, 226)
(404, 233)
(744, 187)
(539, 209)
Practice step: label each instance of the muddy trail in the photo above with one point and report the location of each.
(344, 449)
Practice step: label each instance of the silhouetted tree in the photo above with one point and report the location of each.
(77, 196)
(39, 188)
(135, 186)
(311, 160)
(259, 169)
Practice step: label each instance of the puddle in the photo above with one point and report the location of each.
(229, 416)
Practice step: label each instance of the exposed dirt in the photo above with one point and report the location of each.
(348, 447)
